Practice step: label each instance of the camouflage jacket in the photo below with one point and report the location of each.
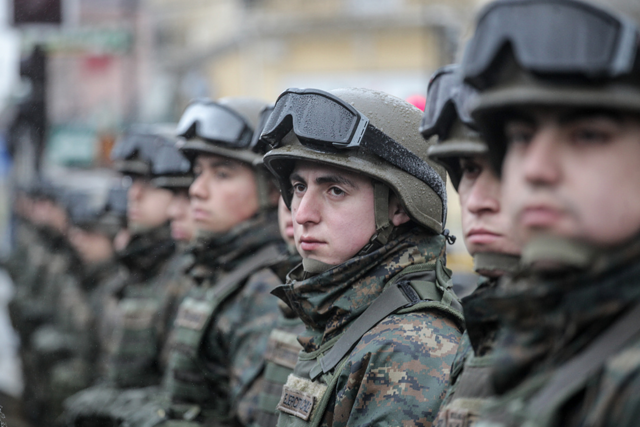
(550, 323)
(398, 371)
(470, 382)
(221, 330)
(280, 356)
(137, 341)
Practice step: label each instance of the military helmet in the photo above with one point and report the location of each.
(150, 151)
(362, 130)
(595, 61)
(226, 128)
(223, 127)
(447, 119)
(90, 211)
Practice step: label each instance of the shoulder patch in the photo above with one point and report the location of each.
(299, 397)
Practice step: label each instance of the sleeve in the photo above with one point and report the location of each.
(398, 373)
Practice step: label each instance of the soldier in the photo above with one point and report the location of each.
(383, 323)
(220, 333)
(134, 315)
(487, 235)
(560, 110)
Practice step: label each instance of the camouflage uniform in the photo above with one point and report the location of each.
(397, 370)
(471, 387)
(551, 321)
(220, 334)
(281, 354)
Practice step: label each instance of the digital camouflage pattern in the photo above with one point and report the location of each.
(132, 327)
(549, 320)
(398, 371)
(215, 355)
(281, 354)
(470, 380)
(134, 352)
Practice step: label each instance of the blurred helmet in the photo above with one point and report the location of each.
(150, 151)
(594, 61)
(365, 131)
(228, 127)
(447, 119)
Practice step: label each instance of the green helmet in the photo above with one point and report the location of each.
(446, 119)
(225, 128)
(399, 121)
(525, 73)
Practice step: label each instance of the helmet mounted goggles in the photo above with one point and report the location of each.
(448, 99)
(566, 38)
(323, 122)
(213, 121)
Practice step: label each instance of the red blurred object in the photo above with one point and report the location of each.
(417, 101)
(37, 12)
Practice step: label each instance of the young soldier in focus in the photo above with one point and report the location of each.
(487, 235)
(563, 126)
(382, 321)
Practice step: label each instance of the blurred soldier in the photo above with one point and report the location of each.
(383, 323)
(51, 258)
(135, 311)
(68, 346)
(487, 235)
(560, 109)
(220, 333)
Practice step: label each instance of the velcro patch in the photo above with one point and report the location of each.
(296, 403)
(193, 314)
(283, 352)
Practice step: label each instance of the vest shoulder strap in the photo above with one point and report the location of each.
(570, 377)
(228, 283)
(401, 293)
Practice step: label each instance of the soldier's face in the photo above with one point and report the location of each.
(332, 212)
(486, 226)
(92, 247)
(224, 193)
(147, 205)
(179, 211)
(573, 173)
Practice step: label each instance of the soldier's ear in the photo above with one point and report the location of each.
(397, 214)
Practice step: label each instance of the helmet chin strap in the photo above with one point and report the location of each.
(384, 227)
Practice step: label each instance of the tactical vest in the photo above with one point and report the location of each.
(473, 390)
(309, 389)
(280, 360)
(538, 401)
(192, 394)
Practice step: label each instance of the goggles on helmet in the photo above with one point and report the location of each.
(448, 98)
(169, 161)
(258, 145)
(323, 122)
(211, 121)
(558, 37)
(143, 146)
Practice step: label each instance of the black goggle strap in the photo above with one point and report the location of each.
(381, 145)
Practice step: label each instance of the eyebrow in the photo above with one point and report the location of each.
(588, 114)
(327, 179)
